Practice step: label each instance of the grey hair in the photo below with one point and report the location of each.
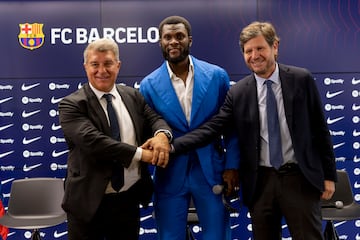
(102, 45)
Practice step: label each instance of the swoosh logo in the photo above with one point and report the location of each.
(234, 226)
(55, 100)
(355, 81)
(60, 234)
(334, 120)
(136, 85)
(357, 237)
(58, 154)
(334, 94)
(28, 141)
(356, 159)
(145, 217)
(355, 107)
(32, 167)
(5, 154)
(356, 133)
(29, 114)
(356, 184)
(55, 127)
(5, 100)
(339, 223)
(6, 126)
(338, 145)
(6, 181)
(28, 87)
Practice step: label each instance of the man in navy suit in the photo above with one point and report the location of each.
(187, 92)
(307, 170)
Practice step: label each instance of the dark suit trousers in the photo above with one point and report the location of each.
(118, 217)
(289, 195)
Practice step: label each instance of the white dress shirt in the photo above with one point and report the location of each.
(184, 91)
(127, 135)
(287, 148)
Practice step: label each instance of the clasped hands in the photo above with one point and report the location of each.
(156, 150)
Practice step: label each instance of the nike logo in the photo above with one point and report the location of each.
(28, 87)
(29, 114)
(79, 85)
(145, 218)
(5, 100)
(334, 120)
(355, 81)
(55, 127)
(6, 181)
(136, 85)
(356, 133)
(356, 184)
(331, 95)
(55, 100)
(355, 107)
(60, 234)
(234, 226)
(58, 154)
(5, 154)
(357, 237)
(28, 141)
(338, 145)
(6, 126)
(339, 223)
(29, 168)
(356, 159)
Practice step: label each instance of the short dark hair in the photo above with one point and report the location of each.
(175, 20)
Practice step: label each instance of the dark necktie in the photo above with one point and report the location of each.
(276, 158)
(117, 178)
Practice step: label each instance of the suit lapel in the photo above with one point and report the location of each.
(165, 90)
(96, 112)
(288, 91)
(199, 91)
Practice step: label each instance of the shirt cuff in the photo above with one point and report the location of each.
(138, 154)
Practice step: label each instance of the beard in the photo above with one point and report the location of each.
(183, 55)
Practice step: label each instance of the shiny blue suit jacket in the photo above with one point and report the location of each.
(211, 84)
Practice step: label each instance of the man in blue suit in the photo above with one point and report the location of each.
(187, 92)
(307, 170)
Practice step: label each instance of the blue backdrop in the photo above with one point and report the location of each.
(41, 62)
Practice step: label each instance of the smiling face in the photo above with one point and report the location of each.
(260, 57)
(175, 42)
(102, 69)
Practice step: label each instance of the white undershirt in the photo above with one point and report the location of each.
(184, 91)
(127, 135)
(287, 148)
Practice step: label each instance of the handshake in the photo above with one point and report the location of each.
(156, 150)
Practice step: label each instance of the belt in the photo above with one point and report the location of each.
(288, 168)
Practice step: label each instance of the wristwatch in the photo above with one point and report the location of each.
(166, 132)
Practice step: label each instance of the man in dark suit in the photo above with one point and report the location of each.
(97, 206)
(307, 170)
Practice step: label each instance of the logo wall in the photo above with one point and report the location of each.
(31, 36)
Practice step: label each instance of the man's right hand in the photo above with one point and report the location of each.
(148, 157)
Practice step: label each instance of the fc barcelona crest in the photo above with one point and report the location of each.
(31, 36)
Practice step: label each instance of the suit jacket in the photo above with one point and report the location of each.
(92, 151)
(210, 86)
(304, 115)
